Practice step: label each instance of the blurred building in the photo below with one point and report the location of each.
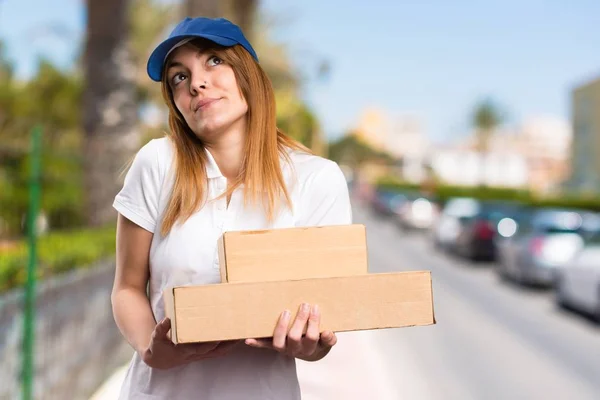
(402, 136)
(463, 166)
(546, 144)
(373, 128)
(585, 150)
(408, 142)
(533, 155)
(407, 136)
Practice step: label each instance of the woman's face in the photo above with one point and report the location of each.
(205, 92)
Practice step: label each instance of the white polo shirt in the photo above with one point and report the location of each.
(188, 256)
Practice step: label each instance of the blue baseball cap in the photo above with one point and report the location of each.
(218, 30)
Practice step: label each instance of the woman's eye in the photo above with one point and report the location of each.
(177, 78)
(214, 60)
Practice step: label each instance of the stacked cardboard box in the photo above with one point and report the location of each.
(265, 272)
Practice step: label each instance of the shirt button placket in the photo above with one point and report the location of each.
(221, 214)
(223, 202)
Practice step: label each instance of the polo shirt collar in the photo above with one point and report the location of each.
(212, 169)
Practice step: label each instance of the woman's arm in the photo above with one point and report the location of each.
(130, 303)
(132, 311)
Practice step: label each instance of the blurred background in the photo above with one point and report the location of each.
(469, 134)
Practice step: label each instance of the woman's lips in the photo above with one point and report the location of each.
(205, 103)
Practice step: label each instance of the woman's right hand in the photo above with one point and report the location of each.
(163, 354)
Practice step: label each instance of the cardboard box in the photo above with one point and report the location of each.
(293, 253)
(230, 311)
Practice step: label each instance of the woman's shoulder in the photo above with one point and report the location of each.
(163, 146)
(307, 162)
(309, 167)
(156, 153)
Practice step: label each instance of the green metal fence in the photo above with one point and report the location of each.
(58, 339)
(29, 308)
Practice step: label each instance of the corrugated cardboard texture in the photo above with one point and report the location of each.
(293, 253)
(251, 310)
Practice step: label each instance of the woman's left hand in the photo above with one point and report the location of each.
(311, 347)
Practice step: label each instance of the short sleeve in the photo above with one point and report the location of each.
(138, 199)
(325, 199)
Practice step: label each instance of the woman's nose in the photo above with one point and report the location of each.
(198, 83)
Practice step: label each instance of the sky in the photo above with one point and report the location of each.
(435, 59)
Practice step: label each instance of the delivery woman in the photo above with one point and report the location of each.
(223, 166)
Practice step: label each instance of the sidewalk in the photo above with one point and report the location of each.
(353, 370)
(110, 389)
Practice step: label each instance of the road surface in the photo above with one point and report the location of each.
(492, 340)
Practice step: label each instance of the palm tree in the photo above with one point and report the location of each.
(486, 118)
(149, 21)
(109, 107)
(203, 8)
(243, 13)
(240, 12)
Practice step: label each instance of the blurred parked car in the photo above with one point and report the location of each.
(578, 282)
(544, 239)
(387, 202)
(476, 235)
(417, 211)
(446, 228)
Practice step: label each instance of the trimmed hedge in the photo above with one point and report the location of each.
(393, 185)
(583, 202)
(57, 252)
(442, 193)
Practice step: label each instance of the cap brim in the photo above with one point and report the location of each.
(157, 58)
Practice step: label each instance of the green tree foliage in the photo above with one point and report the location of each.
(58, 252)
(51, 98)
(352, 151)
(443, 192)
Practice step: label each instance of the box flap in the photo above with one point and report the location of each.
(169, 301)
(222, 259)
(432, 299)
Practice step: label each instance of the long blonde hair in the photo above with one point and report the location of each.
(261, 172)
